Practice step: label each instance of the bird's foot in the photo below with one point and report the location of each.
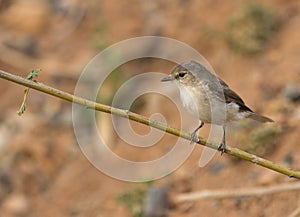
(222, 148)
(194, 137)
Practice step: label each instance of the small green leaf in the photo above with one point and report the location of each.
(133, 200)
(23, 105)
(33, 73)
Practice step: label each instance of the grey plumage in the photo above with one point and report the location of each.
(209, 98)
(218, 87)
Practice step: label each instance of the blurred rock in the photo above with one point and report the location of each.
(27, 45)
(6, 185)
(4, 4)
(156, 202)
(292, 93)
(26, 16)
(216, 167)
(21, 23)
(289, 158)
(15, 205)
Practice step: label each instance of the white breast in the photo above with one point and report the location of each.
(195, 102)
(208, 108)
(188, 100)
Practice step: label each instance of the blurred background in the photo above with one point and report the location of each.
(254, 47)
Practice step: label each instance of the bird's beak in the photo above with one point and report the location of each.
(168, 78)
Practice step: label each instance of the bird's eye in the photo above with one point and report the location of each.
(182, 74)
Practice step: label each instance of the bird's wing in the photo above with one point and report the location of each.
(223, 92)
(216, 86)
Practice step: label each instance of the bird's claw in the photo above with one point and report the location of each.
(193, 138)
(222, 148)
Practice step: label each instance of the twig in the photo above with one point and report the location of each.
(217, 194)
(34, 73)
(142, 119)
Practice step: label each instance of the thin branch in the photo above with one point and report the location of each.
(217, 194)
(142, 119)
(34, 73)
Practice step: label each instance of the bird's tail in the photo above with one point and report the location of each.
(259, 117)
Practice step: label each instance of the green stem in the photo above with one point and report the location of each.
(143, 120)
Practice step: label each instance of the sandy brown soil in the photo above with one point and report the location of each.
(42, 170)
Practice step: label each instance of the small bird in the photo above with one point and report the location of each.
(209, 98)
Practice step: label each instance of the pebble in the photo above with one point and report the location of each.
(15, 204)
(292, 93)
(289, 158)
(156, 202)
(216, 167)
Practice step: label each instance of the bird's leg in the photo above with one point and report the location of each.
(222, 146)
(194, 133)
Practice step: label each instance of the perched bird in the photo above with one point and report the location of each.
(209, 98)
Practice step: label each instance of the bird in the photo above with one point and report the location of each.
(208, 98)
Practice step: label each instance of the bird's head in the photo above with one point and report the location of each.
(182, 74)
